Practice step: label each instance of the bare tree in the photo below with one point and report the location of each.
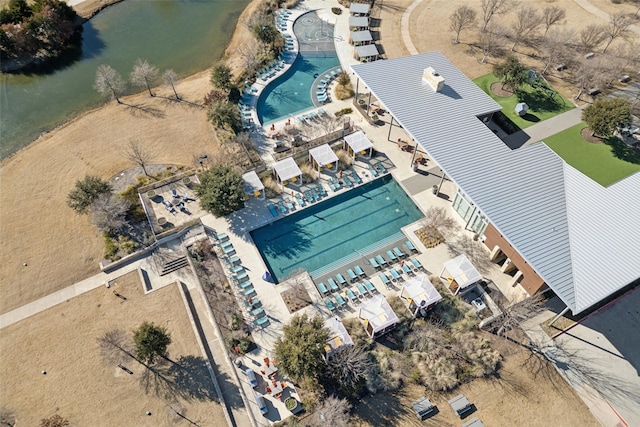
(516, 313)
(170, 77)
(557, 48)
(109, 82)
(526, 23)
(491, 8)
(108, 213)
(349, 365)
(551, 16)
(144, 74)
(249, 56)
(462, 18)
(490, 42)
(591, 37)
(139, 155)
(332, 412)
(618, 26)
(584, 77)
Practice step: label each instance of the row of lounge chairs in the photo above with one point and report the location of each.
(377, 169)
(353, 294)
(394, 255)
(396, 273)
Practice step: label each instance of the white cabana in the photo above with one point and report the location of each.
(287, 170)
(338, 335)
(323, 156)
(460, 273)
(359, 9)
(252, 184)
(377, 316)
(419, 294)
(361, 37)
(358, 142)
(367, 52)
(358, 23)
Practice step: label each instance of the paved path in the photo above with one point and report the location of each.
(544, 129)
(600, 13)
(404, 28)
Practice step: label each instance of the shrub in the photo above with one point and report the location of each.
(344, 92)
(271, 187)
(344, 111)
(344, 160)
(308, 174)
(126, 244)
(86, 192)
(385, 376)
(221, 190)
(336, 10)
(110, 248)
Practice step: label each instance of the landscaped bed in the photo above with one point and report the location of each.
(541, 105)
(597, 161)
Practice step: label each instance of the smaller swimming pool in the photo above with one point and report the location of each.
(336, 228)
(291, 92)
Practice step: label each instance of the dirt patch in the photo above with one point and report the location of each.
(296, 298)
(498, 90)
(587, 135)
(524, 392)
(79, 384)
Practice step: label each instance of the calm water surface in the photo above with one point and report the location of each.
(187, 36)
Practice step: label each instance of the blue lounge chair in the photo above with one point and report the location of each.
(252, 303)
(322, 288)
(356, 177)
(316, 196)
(347, 181)
(359, 271)
(229, 250)
(341, 301)
(222, 237)
(323, 98)
(232, 260)
(330, 304)
(362, 289)
(370, 287)
(341, 279)
(352, 275)
(290, 205)
(249, 291)
(225, 244)
(258, 313)
(373, 171)
(352, 297)
(236, 269)
(332, 285)
(381, 260)
(282, 208)
(300, 201)
(339, 70)
(308, 196)
(245, 284)
(398, 252)
(332, 185)
(416, 264)
(261, 321)
(321, 190)
(374, 263)
(407, 269)
(273, 210)
(410, 246)
(394, 274)
(392, 256)
(385, 280)
(380, 168)
(240, 276)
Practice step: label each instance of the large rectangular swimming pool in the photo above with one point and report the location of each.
(336, 228)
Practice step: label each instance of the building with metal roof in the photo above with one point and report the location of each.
(359, 8)
(554, 223)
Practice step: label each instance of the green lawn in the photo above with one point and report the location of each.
(601, 162)
(541, 106)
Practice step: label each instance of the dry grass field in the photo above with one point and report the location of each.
(79, 385)
(516, 397)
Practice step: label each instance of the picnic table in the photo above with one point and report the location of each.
(276, 388)
(460, 404)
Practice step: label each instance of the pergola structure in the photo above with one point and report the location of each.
(358, 142)
(357, 23)
(359, 9)
(419, 294)
(323, 156)
(361, 37)
(461, 273)
(377, 316)
(338, 336)
(286, 170)
(252, 184)
(367, 52)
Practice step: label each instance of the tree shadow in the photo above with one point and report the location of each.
(143, 110)
(191, 375)
(531, 118)
(623, 151)
(540, 101)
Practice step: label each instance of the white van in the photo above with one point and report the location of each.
(262, 404)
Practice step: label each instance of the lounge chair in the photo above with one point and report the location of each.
(261, 321)
(225, 244)
(398, 252)
(410, 246)
(380, 168)
(316, 196)
(245, 284)
(300, 201)
(385, 279)
(352, 275)
(392, 256)
(332, 285)
(373, 171)
(347, 181)
(416, 264)
(220, 237)
(374, 263)
(370, 287)
(359, 271)
(356, 177)
(352, 297)
(322, 288)
(258, 313)
(273, 210)
(236, 269)
(228, 250)
(395, 275)
(332, 185)
(249, 291)
(232, 260)
(330, 304)
(282, 208)
(323, 98)
(252, 303)
(362, 289)
(290, 205)
(407, 269)
(341, 301)
(321, 190)
(240, 276)
(341, 279)
(381, 260)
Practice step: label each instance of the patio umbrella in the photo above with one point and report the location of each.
(267, 277)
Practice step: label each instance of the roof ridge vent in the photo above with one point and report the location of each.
(435, 80)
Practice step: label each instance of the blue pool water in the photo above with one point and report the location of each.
(339, 227)
(291, 92)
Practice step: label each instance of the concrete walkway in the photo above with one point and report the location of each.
(404, 28)
(544, 129)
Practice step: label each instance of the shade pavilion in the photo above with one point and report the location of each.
(358, 142)
(419, 294)
(323, 156)
(252, 184)
(460, 273)
(377, 316)
(286, 170)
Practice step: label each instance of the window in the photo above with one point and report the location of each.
(462, 206)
